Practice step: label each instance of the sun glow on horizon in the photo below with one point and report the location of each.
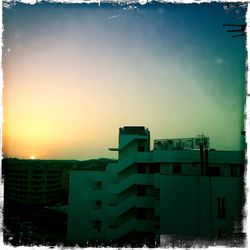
(32, 157)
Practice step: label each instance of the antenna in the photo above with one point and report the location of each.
(242, 29)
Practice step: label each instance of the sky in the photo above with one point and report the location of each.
(74, 73)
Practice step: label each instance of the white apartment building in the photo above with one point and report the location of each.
(178, 188)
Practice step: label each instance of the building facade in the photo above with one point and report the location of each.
(170, 190)
(32, 182)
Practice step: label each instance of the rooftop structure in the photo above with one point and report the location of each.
(182, 143)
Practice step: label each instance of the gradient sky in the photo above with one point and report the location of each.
(74, 74)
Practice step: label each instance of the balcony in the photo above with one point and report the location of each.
(133, 179)
(117, 231)
(133, 201)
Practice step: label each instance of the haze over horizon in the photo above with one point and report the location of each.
(74, 73)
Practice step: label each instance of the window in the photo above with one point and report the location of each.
(37, 188)
(141, 168)
(141, 190)
(37, 177)
(140, 149)
(154, 168)
(233, 170)
(242, 169)
(157, 194)
(98, 185)
(34, 194)
(141, 213)
(213, 171)
(97, 225)
(221, 233)
(35, 199)
(221, 210)
(37, 172)
(98, 204)
(176, 168)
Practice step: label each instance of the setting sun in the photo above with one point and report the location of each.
(32, 157)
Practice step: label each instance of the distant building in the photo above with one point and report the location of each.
(32, 182)
(42, 182)
(172, 190)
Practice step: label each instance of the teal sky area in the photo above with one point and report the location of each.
(75, 73)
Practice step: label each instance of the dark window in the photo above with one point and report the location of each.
(141, 168)
(37, 172)
(37, 177)
(141, 190)
(222, 233)
(98, 185)
(242, 170)
(36, 183)
(97, 225)
(233, 170)
(157, 194)
(140, 149)
(176, 168)
(141, 213)
(213, 171)
(35, 199)
(221, 210)
(154, 168)
(158, 144)
(35, 194)
(98, 204)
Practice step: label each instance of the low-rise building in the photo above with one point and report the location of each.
(178, 189)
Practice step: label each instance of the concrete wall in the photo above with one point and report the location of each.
(188, 204)
(82, 214)
(231, 189)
